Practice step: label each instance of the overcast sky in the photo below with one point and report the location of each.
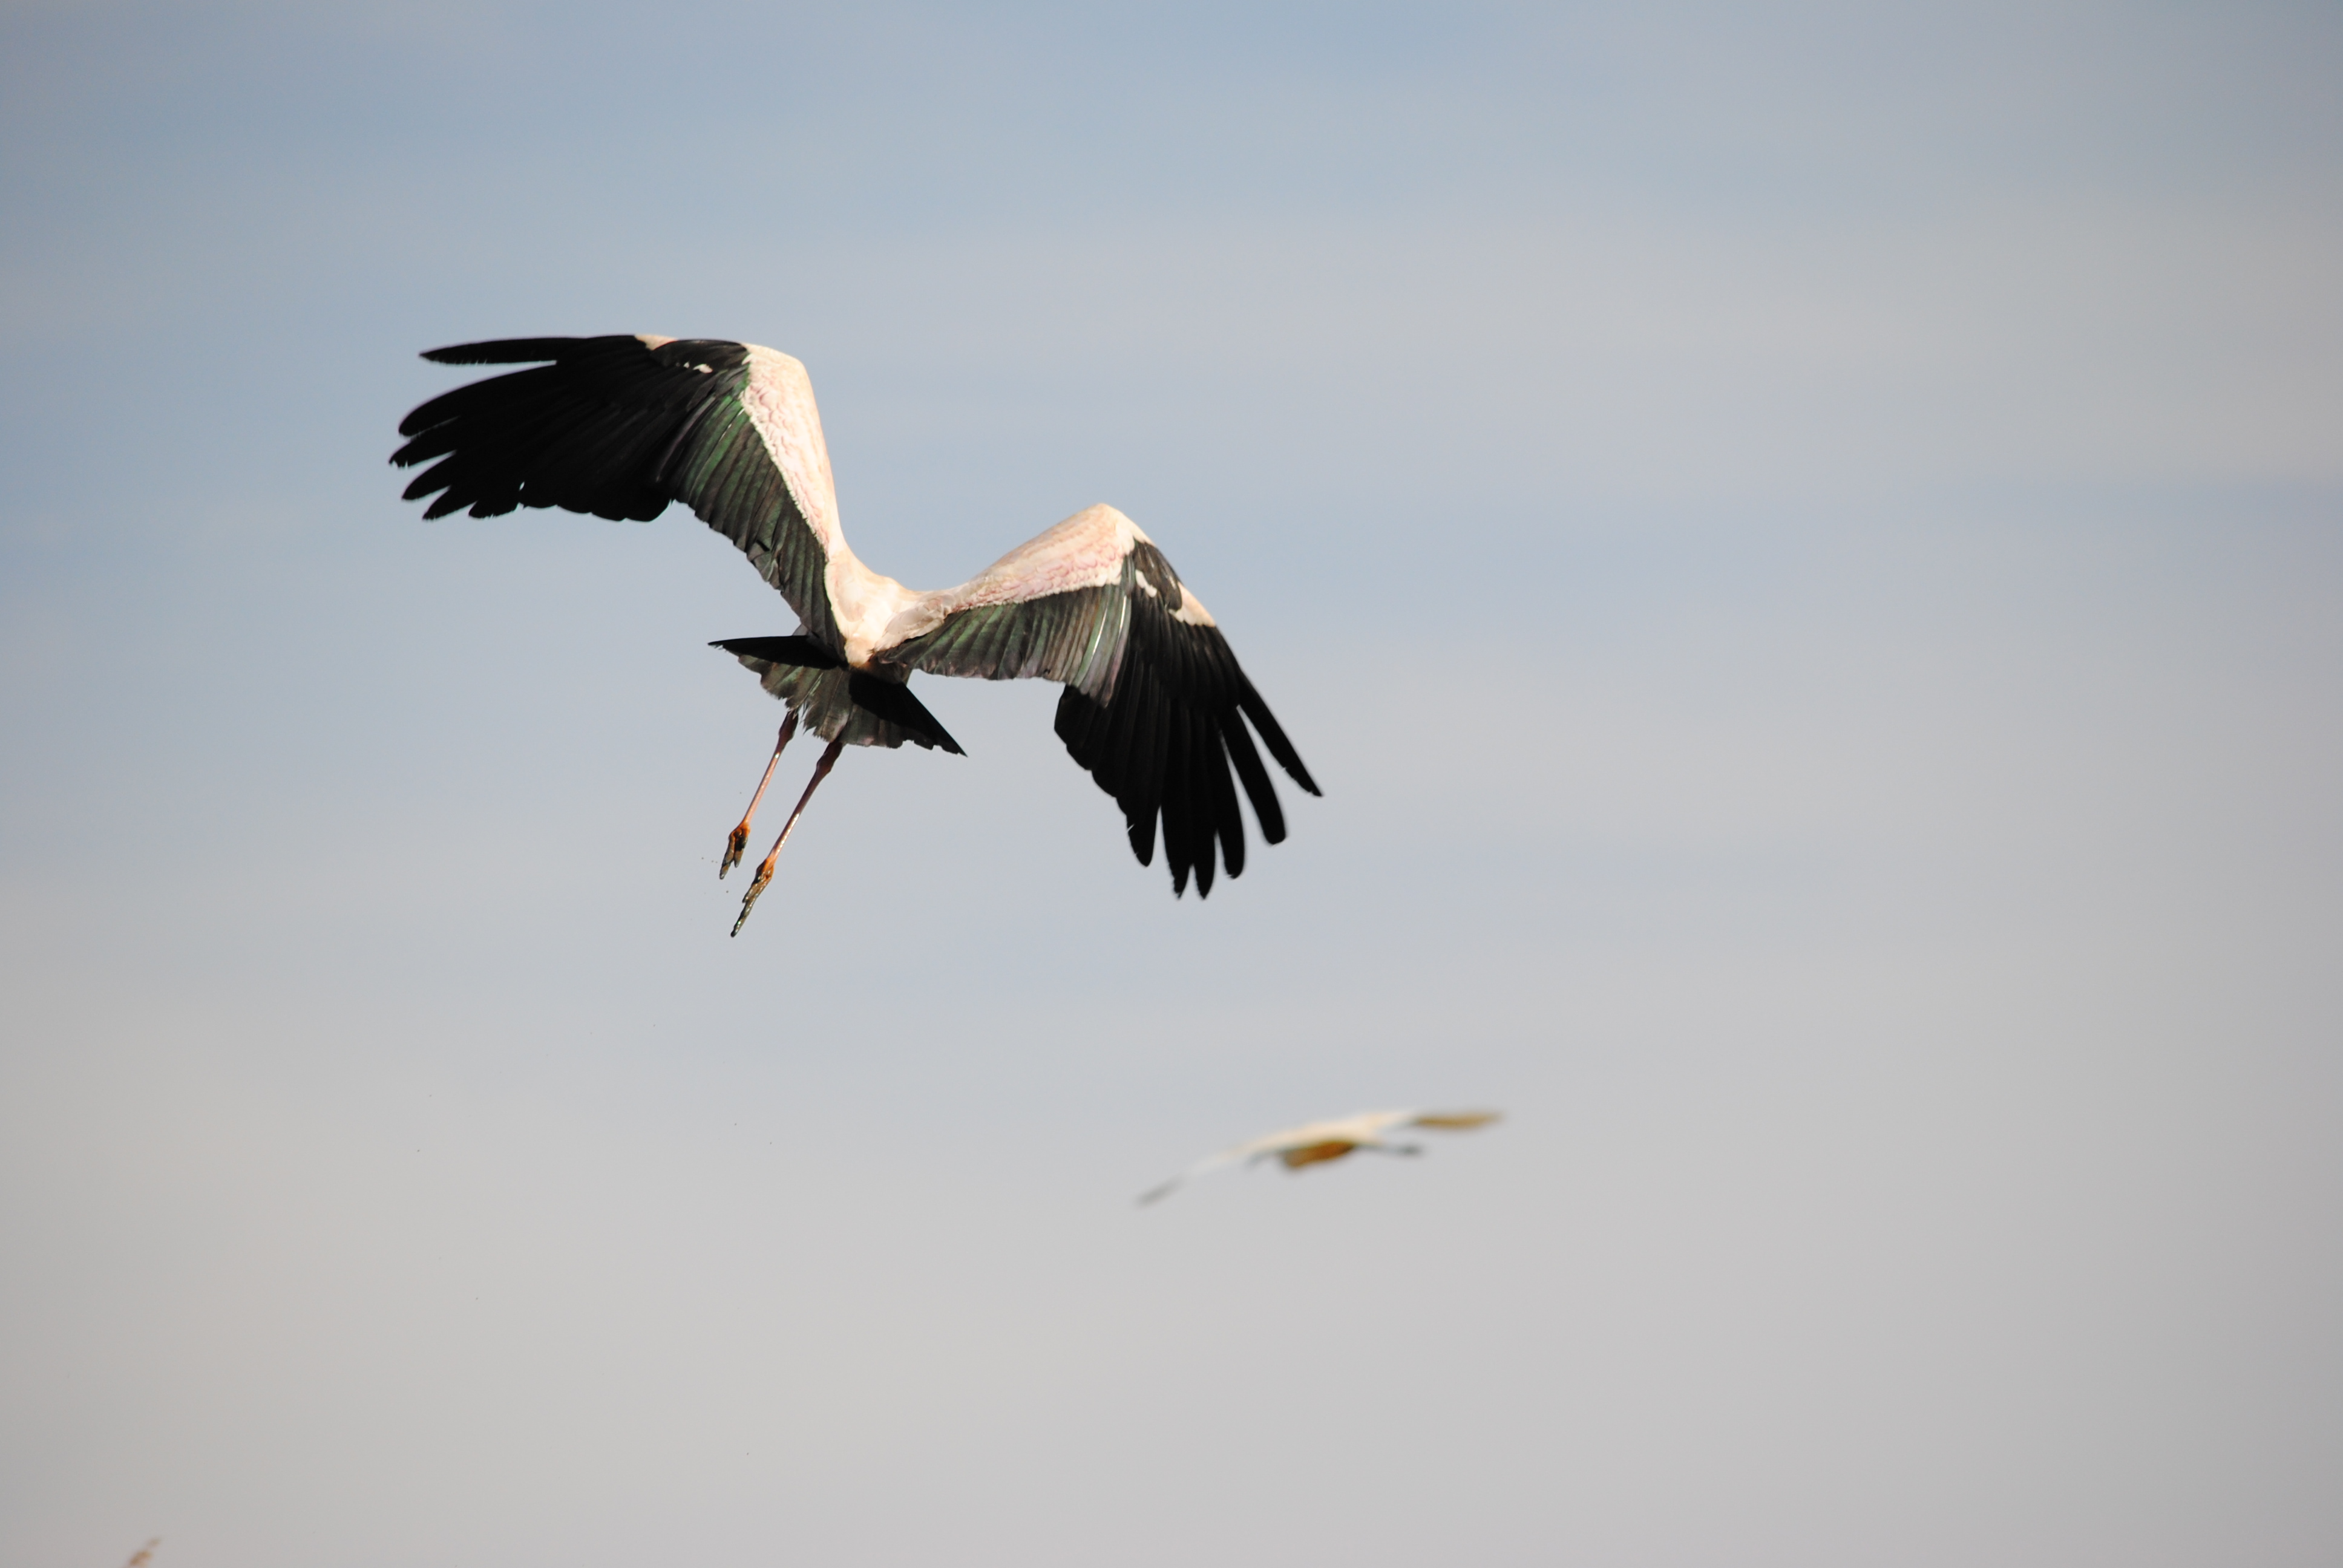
(1805, 545)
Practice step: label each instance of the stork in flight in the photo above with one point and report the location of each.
(1155, 704)
(1316, 1142)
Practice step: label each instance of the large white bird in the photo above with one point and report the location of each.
(1155, 705)
(1316, 1142)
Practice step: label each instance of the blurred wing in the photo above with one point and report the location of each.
(1155, 1194)
(1155, 705)
(1204, 1167)
(619, 427)
(1455, 1121)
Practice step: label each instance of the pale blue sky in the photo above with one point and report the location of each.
(1805, 543)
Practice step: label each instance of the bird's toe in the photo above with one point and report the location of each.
(764, 877)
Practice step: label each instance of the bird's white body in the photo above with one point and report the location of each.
(1364, 1130)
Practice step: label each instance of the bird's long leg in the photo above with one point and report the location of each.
(737, 845)
(765, 872)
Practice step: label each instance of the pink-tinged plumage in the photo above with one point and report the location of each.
(1085, 551)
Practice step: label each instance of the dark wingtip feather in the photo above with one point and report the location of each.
(502, 351)
(1273, 736)
(1165, 742)
(1257, 785)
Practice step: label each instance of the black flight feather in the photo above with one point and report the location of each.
(616, 427)
(1155, 708)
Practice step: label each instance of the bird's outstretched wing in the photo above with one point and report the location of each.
(1204, 1167)
(619, 427)
(1155, 705)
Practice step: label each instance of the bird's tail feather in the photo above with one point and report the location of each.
(835, 701)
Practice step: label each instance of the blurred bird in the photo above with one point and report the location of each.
(1318, 1141)
(1155, 705)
